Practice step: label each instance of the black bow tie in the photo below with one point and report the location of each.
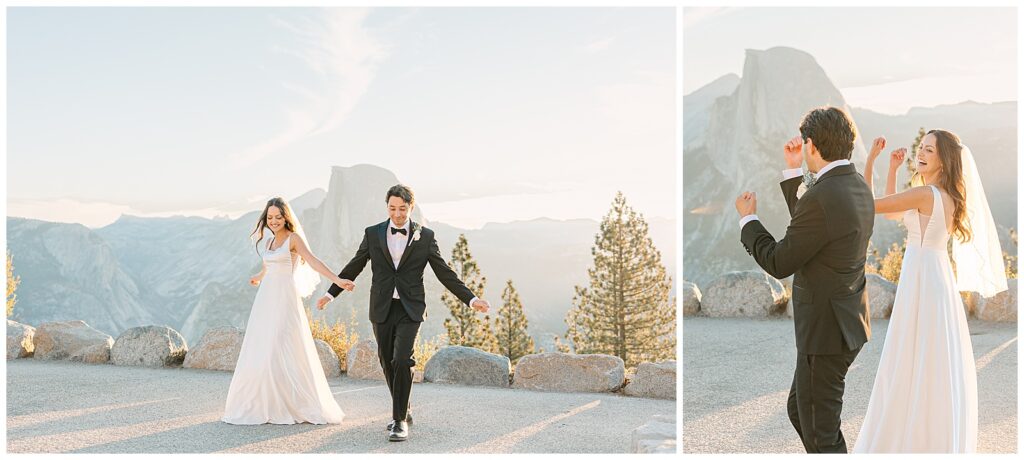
(399, 230)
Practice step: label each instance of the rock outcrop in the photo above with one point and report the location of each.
(217, 350)
(19, 340)
(691, 299)
(1000, 307)
(149, 346)
(657, 436)
(72, 341)
(569, 373)
(653, 380)
(328, 359)
(467, 366)
(881, 295)
(744, 294)
(363, 362)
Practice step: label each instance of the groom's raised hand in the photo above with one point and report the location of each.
(481, 305)
(793, 151)
(746, 204)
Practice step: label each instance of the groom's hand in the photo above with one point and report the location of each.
(322, 302)
(793, 152)
(481, 305)
(746, 204)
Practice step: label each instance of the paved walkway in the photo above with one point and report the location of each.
(737, 373)
(72, 407)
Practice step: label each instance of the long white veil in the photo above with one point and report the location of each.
(979, 262)
(306, 279)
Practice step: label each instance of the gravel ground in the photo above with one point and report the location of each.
(72, 407)
(737, 373)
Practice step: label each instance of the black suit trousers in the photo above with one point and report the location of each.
(395, 338)
(816, 400)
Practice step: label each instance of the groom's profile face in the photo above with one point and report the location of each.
(398, 210)
(810, 152)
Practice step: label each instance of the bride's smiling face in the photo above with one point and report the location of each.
(275, 218)
(928, 161)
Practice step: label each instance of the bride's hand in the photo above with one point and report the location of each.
(255, 281)
(896, 158)
(876, 147)
(347, 285)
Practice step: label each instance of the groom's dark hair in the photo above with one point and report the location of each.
(401, 191)
(832, 131)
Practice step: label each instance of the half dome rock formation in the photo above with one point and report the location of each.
(737, 146)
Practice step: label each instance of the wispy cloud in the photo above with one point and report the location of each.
(598, 45)
(695, 16)
(344, 54)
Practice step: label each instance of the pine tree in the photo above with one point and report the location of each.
(1010, 259)
(911, 155)
(12, 285)
(627, 310)
(464, 326)
(513, 339)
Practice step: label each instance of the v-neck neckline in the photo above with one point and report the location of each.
(271, 246)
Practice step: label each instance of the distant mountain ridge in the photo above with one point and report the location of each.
(191, 272)
(735, 127)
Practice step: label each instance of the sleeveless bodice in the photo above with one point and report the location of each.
(280, 260)
(927, 232)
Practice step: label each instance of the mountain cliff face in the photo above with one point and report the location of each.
(70, 272)
(733, 136)
(740, 149)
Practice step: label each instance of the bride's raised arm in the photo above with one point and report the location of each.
(893, 204)
(876, 148)
(919, 198)
(299, 245)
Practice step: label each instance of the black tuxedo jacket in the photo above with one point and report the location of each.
(825, 249)
(407, 278)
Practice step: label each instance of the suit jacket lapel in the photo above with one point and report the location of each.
(408, 243)
(382, 231)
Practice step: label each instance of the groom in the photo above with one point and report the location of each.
(825, 249)
(399, 250)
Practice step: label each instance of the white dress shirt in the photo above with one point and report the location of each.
(788, 174)
(397, 243)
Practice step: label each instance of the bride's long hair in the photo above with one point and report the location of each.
(289, 219)
(951, 179)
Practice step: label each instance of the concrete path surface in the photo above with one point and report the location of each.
(72, 407)
(737, 373)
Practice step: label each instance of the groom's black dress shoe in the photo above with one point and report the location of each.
(408, 418)
(400, 432)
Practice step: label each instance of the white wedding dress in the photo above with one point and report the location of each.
(278, 378)
(925, 396)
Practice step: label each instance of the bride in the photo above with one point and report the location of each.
(278, 377)
(925, 396)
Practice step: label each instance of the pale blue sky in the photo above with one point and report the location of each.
(491, 114)
(885, 59)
